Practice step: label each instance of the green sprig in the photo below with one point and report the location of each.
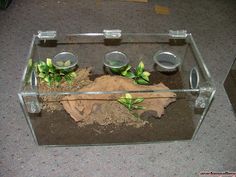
(131, 103)
(51, 75)
(139, 75)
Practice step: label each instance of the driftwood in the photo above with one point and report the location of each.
(104, 108)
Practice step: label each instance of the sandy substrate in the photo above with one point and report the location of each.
(104, 109)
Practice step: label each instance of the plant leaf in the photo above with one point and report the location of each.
(141, 65)
(62, 74)
(48, 79)
(123, 73)
(52, 69)
(49, 62)
(126, 105)
(41, 75)
(128, 96)
(140, 68)
(41, 63)
(141, 81)
(68, 79)
(130, 106)
(145, 77)
(130, 75)
(128, 99)
(138, 107)
(122, 100)
(138, 100)
(72, 75)
(145, 73)
(43, 68)
(58, 78)
(128, 68)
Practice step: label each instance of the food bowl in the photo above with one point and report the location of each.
(166, 61)
(65, 60)
(115, 60)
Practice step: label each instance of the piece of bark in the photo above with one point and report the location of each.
(88, 109)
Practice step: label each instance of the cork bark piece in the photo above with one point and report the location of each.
(104, 108)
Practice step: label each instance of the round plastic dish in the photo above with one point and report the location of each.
(166, 61)
(194, 78)
(115, 60)
(65, 57)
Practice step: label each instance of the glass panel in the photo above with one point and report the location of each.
(92, 50)
(54, 126)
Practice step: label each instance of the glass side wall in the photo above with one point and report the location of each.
(93, 107)
(91, 51)
(110, 122)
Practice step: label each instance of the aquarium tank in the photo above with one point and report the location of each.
(114, 87)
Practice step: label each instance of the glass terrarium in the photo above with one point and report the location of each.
(114, 87)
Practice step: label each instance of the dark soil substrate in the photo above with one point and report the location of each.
(58, 128)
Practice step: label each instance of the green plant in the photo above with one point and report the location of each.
(51, 75)
(131, 103)
(139, 75)
(4, 3)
